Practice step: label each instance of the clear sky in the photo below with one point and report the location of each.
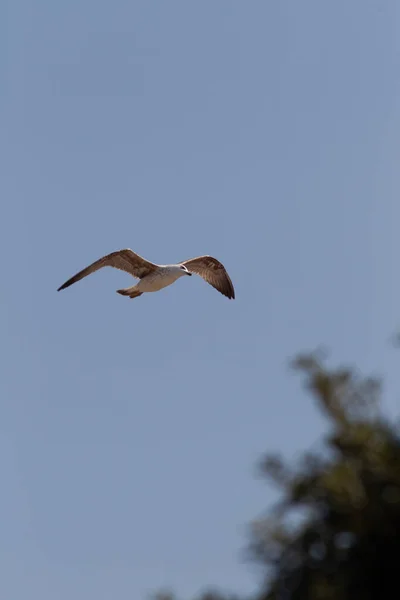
(263, 133)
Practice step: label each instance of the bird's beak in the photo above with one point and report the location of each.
(188, 273)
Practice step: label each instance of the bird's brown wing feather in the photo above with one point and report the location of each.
(212, 271)
(124, 260)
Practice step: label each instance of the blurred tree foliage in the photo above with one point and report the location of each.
(335, 532)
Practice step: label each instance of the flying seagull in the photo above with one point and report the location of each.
(155, 277)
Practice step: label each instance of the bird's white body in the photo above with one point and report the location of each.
(164, 276)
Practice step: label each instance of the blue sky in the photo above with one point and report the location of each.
(263, 133)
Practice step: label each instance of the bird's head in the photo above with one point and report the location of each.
(183, 270)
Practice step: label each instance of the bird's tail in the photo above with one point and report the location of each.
(132, 292)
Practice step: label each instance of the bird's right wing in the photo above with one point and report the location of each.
(124, 260)
(212, 271)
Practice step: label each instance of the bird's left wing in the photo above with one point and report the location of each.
(212, 271)
(124, 260)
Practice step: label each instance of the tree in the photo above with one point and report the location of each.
(335, 532)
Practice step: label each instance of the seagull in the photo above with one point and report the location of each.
(156, 277)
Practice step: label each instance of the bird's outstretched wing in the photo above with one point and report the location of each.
(125, 260)
(212, 271)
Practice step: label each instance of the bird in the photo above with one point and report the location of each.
(155, 277)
